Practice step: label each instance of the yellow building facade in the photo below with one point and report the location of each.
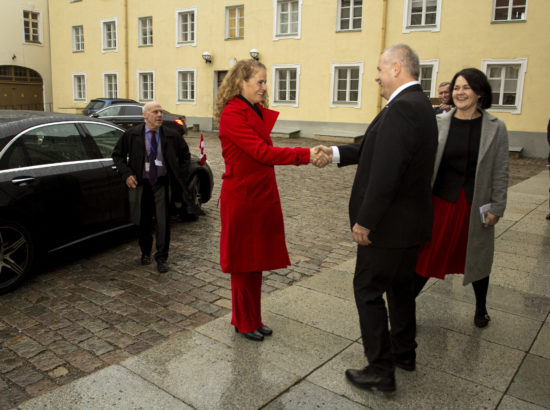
(321, 55)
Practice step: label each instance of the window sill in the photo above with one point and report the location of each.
(78, 51)
(508, 21)
(353, 30)
(234, 38)
(145, 45)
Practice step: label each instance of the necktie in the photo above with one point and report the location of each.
(152, 157)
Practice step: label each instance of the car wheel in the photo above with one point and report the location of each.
(17, 254)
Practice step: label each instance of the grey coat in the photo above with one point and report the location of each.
(491, 184)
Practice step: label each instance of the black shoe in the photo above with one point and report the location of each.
(255, 335)
(367, 378)
(145, 259)
(266, 331)
(548, 217)
(162, 266)
(406, 364)
(481, 318)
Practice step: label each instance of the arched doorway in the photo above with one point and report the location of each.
(21, 88)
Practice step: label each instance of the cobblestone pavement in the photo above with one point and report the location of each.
(95, 305)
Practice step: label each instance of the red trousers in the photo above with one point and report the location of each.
(246, 298)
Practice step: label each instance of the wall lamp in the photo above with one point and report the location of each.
(207, 57)
(255, 54)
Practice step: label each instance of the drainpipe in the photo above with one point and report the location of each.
(126, 58)
(382, 45)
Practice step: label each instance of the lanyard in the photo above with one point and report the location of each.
(154, 149)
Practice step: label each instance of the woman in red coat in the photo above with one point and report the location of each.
(252, 232)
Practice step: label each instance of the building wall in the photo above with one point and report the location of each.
(466, 37)
(14, 51)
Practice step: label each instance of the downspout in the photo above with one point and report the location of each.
(126, 58)
(382, 44)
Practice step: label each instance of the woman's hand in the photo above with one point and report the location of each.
(491, 219)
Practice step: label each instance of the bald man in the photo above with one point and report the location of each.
(150, 157)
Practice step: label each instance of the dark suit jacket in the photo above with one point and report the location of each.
(129, 158)
(391, 193)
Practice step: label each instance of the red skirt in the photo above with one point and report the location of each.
(446, 252)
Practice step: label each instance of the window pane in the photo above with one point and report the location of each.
(105, 137)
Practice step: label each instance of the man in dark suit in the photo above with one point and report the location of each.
(149, 157)
(390, 213)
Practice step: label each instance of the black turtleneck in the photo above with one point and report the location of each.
(253, 106)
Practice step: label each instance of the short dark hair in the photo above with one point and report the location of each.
(477, 80)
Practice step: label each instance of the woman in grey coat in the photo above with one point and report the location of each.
(469, 190)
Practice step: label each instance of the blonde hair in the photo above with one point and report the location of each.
(231, 85)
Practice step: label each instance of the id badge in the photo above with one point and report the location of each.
(147, 166)
(158, 163)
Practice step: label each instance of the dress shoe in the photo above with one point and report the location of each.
(406, 364)
(481, 318)
(265, 330)
(145, 259)
(548, 217)
(255, 335)
(162, 266)
(367, 378)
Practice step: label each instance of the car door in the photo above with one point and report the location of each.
(105, 138)
(54, 183)
(133, 115)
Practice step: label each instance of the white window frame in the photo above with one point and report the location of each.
(192, 101)
(239, 9)
(75, 96)
(149, 21)
(104, 48)
(105, 85)
(435, 69)
(522, 62)
(407, 28)
(276, 35)
(139, 89)
(275, 85)
(78, 39)
(333, 102)
(509, 19)
(39, 30)
(192, 10)
(351, 18)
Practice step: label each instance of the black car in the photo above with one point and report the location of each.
(99, 103)
(128, 115)
(59, 186)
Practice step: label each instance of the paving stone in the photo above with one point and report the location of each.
(42, 334)
(41, 387)
(138, 347)
(19, 320)
(96, 345)
(24, 376)
(84, 361)
(182, 309)
(130, 327)
(115, 356)
(75, 333)
(47, 361)
(58, 372)
(54, 321)
(12, 397)
(165, 328)
(152, 337)
(116, 337)
(24, 346)
(9, 361)
(62, 347)
(94, 325)
(119, 307)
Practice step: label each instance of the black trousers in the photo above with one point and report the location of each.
(389, 271)
(154, 206)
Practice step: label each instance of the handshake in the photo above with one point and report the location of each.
(320, 156)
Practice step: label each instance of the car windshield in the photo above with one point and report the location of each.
(95, 105)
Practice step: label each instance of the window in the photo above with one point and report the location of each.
(234, 22)
(186, 27)
(78, 38)
(109, 34)
(421, 15)
(285, 85)
(79, 87)
(110, 85)
(509, 10)
(186, 85)
(105, 137)
(48, 144)
(427, 77)
(145, 31)
(506, 78)
(31, 20)
(346, 85)
(287, 18)
(350, 13)
(146, 85)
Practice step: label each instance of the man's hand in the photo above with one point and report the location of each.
(321, 156)
(361, 235)
(490, 219)
(131, 181)
(445, 107)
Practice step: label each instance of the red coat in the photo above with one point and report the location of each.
(252, 235)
